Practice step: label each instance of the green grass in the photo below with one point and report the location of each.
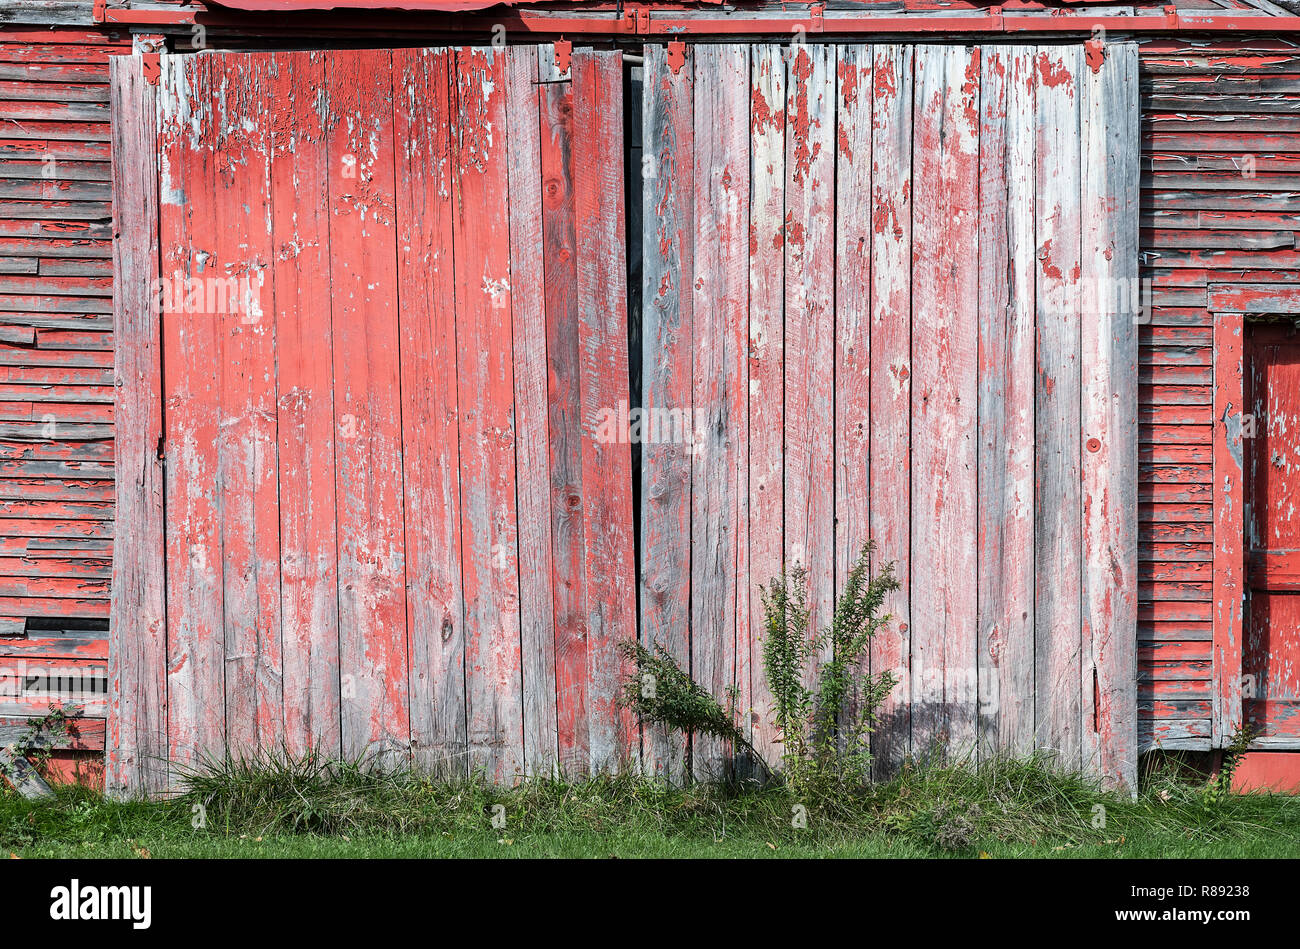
(309, 807)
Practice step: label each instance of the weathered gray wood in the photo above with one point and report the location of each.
(853, 229)
(137, 739)
(1058, 561)
(809, 245)
(1109, 392)
(891, 386)
(1006, 401)
(527, 280)
(719, 474)
(667, 337)
(945, 371)
(47, 12)
(20, 774)
(766, 366)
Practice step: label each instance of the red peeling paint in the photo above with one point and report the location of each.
(1053, 74)
(970, 89)
(1045, 260)
(800, 72)
(762, 117)
(794, 230)
(883, 85)
(885, 214)
(848, 73)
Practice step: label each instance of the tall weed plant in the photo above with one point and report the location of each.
(825, 702)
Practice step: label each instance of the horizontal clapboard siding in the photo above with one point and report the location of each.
(1220, 205)
(56, 374)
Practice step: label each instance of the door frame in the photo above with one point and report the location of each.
(1229, 305)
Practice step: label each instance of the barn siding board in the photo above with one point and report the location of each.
(1006, 401)
(667, 351)
(431, 458)
(527, 280)
(191, 390)
(1109, 390)
(892, 316)
(853, 226)
(720, 384)
(603, 381)
(569, 583)
(1057, 419)
(368, 451)
(766, 365)
(304, 416)
(945, 222)
(136, 742)
(809, 333)
(485, 392)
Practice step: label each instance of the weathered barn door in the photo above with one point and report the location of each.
(894, 288)
(386, 524)
(376, 415)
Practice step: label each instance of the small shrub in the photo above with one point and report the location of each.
(1219, 786)
(42, 735)
(823, 728)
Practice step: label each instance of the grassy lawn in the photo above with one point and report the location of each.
(317, 809)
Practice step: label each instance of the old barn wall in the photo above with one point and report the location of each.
(1205, 218)
(1220, 206)
(56, 374)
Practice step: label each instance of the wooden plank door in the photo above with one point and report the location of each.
(941, 358)
(1270, 660)
(377, 367)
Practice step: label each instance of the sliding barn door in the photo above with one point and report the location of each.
(375, 515)
(891, 287)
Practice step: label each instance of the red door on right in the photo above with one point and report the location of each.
(1271, 430)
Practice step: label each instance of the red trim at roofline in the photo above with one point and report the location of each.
(635, 22)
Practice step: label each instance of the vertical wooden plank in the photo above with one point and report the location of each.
(1109, 150)
(945, 324)
(527, 278)
(191, 385)
(247, 469)
(568, 563)
(853, 234)
(766, 366)
(890, 500)
(602, 336)
(435, 607)
(1006, 402)
(809, 324)
(1229, 526)
(667, 346)
(489, 530)
(1058, 555)
(367, 409)
(720, 308)
(137, 720)
(300, 292)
